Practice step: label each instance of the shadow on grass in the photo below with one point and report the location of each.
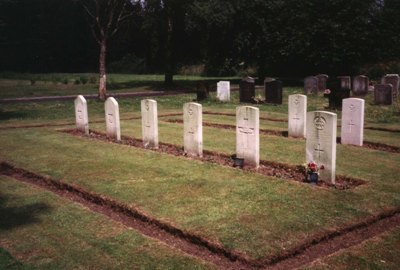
(7, 261)
(12, 115)
(16, 216)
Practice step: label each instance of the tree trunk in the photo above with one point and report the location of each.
(102, 70)
(169, 58)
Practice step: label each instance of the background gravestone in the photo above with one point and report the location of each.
(248, 135)
(193, 129)
(81, 114)
(113, 129)
(322, 79)
(310, 85)
(224, 91)
(383, 94)
(394, 80)
(273, 91)
(297, 116)
(352, 131)
(321, 143)
(149, 123)
(247, 90)
(360, 85)
(336, 95)
(345, 82)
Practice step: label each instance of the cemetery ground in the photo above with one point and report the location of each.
(74, 201)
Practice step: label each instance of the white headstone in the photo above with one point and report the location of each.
(224, 91)
(193, 129)
(149, 123)
(297, 116)
(353, 121)
(112, 118)
(81, 114)
(248, 135)
(321, 143)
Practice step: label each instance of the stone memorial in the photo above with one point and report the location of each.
(297, 116)
(81, 114)
(322, 79)
(345, 82)
(149, 123)
(310, 85)
(321, 143)
(273, 91)
(383, 94)
(193, 129)
(248, 135)
(224, 91)
(352, 131)
(394, 80)
(360, 85)
(247, 90)
(112, 119)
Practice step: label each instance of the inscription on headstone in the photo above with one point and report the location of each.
(297, 116)
(224, 91)
(352, 131)
(248, 135)
(310, 85)
(149, 123)
(360, 85)
(383, 94)
(81, 114)
(193, 129)
(113, 129)
(273, 91)
(321, 143)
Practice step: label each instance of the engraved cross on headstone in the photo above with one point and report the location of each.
(80, 116)
(319, 151)
(351, 124)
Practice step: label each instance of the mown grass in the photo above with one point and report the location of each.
(43, 231)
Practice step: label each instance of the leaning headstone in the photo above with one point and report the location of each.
(248, 135)
(360, 85)
(193, 129)
(247, 90)
(322, 78)
(394, 80)
(224, 91)
(310, 85)
(321, 143)
(81, 114)
(112, 119)
(273, 91)
(352, 131)
(345, 82)
(297, 116)
(383, 94)
(149, 123)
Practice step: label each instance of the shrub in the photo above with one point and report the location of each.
(83, 79)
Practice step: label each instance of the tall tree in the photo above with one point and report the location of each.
(106, 18)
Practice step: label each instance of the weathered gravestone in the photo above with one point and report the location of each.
(394, 80)
(273, 91)
(247, 90)
(352, 131)
(360, 85)
(193, 129)
(321, 143)
(81, 114)
(310, 85)
(383, 94)
(113, 129)
(322, 79)
(345, 82)
(149, 123)
(297, 116)
(224, 91)
(248, 135)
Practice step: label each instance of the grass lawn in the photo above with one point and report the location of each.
(243, 211)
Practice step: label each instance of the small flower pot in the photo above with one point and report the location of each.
(314, 178)
(238, 162)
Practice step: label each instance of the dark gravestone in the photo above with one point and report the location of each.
(345, 82)
(394, 80)
(310, 85)
(383, 94)
(336, 95)
(203, 90)
(322, 79)
(360, 85)
(273, 92)
(247, 90)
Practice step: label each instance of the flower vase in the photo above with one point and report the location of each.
(314, 178)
